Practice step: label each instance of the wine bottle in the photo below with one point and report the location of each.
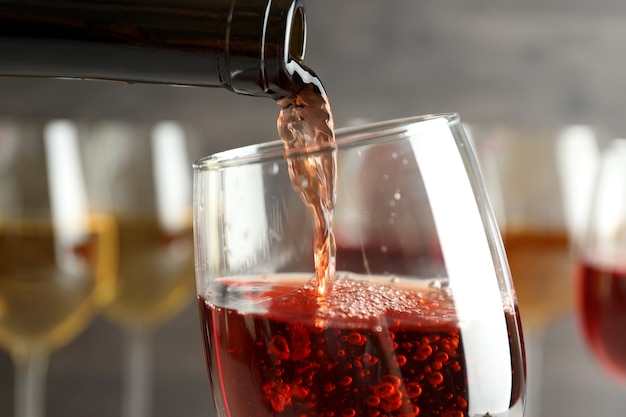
(247, 46)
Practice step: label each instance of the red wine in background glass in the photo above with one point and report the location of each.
(602, 298)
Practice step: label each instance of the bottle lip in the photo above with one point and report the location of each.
(296, 35)
(261, 61)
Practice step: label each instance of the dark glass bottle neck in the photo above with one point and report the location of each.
(242, 45)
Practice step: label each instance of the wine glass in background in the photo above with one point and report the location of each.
(57, 255)
(538, 182)
(601, 274)
(144, 175)
(419, 319)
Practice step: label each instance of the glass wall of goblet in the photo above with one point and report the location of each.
(420, 317)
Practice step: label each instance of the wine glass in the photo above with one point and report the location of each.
(536, 179)
(57, 255)
(420, 317)
(601, 273)
(144, 177)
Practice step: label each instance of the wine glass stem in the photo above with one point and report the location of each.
(137, 389)
(30, 383)
(534, 341)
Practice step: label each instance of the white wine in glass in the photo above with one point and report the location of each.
(146, 175)
(57, 255)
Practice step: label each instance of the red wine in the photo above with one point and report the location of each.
(602, 297)
(272, 350)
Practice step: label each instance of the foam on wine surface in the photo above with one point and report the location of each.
(354, 299)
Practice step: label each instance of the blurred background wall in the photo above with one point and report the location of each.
(530, 63)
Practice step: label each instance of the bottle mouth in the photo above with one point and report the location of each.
(265, 41)
(297, 35)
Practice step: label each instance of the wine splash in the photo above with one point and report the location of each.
(305, 125)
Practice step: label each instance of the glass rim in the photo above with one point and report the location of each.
(346, 136)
